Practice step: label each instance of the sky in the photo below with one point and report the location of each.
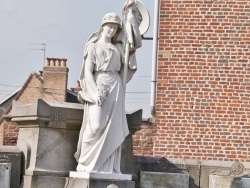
(64, 26)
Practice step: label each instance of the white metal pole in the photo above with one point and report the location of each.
(154, 58)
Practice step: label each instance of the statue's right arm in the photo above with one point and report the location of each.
(89, 67)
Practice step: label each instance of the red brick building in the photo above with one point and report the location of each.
(203, 83)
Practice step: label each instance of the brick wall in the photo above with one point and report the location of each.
(10, 132)
(203, 90)
(143, 140)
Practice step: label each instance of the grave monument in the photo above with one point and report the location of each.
(109, 63)
(48, 132)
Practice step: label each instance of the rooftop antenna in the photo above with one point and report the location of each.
(43, 49)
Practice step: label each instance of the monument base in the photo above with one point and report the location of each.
(102, 176)
(99, 180)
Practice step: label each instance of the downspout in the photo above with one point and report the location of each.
(154, 59)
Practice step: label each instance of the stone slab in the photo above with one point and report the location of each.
(43, 182)
(216, 181)
(170, 165)
(84, 183)
(5, 175)
(12, 155)
(100, 176)
(163, 180)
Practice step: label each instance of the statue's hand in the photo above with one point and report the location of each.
(98, 100)
(132, 46)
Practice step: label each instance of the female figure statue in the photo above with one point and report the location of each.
(104, 126)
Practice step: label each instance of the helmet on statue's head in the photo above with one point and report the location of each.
(111, 18)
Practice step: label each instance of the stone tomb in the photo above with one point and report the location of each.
(48, 136)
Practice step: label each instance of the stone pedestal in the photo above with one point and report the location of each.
(48, 136)
(99, 180)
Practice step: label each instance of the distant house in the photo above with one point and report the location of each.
(49, 85)
(6, 102)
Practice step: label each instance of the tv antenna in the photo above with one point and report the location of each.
(43, 49)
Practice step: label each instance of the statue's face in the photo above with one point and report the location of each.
(110, 29)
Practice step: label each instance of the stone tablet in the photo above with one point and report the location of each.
(163, 180)
(5, 173)
(11, 155)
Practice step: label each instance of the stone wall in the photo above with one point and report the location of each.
(202, 109)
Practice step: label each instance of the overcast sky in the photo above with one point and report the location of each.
(64, 26)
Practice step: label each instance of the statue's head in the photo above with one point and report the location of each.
(111, 18)
(108, 18)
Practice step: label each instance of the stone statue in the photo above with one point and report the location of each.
(104, 126)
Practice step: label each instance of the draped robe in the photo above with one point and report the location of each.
(104, 127)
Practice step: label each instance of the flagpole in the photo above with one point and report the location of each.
(133, 32)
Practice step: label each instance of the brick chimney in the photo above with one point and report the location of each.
(55, 78)
(77, 88)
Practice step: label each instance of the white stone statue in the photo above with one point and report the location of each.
(104, 126)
